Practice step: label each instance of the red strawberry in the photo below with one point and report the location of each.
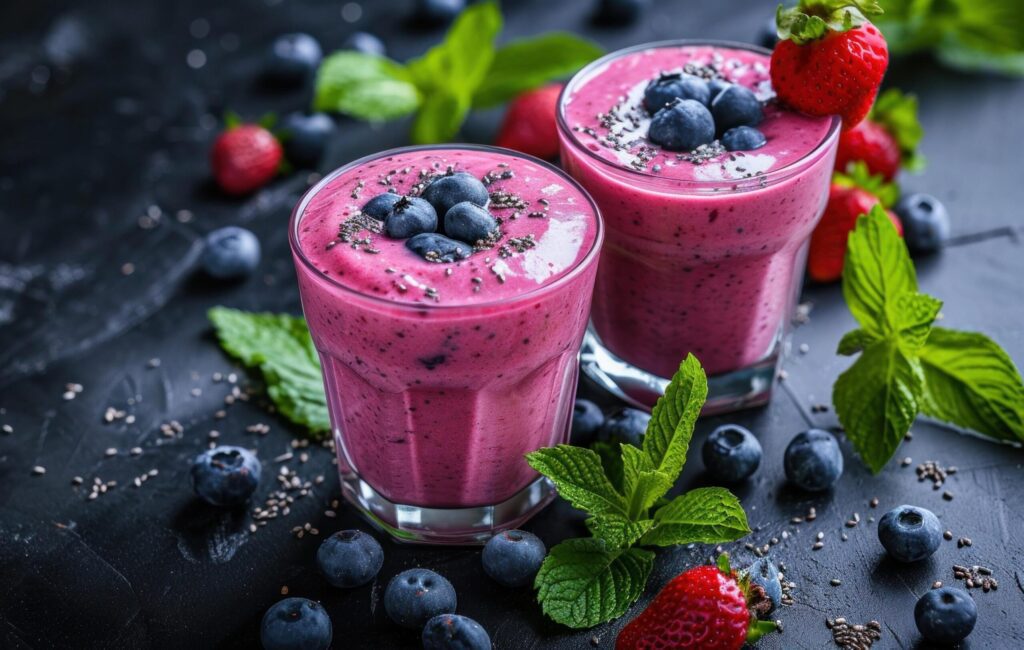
(244, 158)
(849, 197)
(887, 139)
(831, 59)
(529, 124)
(704, 608)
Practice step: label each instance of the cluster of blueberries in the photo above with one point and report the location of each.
(451, 211)
(689, 111)
(813, 462)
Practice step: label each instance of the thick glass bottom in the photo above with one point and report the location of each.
(731, 391)
(420, 525)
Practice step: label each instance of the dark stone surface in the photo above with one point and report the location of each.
(102, 119)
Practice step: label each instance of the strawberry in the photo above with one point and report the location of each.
(887, 139)
(245, 157)
(830, 60)
(529, 124)
(849, 197)
(705, 607)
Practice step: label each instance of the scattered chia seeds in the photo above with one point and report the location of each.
(976, 577)
(858, 637)
(932, 471)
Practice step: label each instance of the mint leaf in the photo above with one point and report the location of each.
(642, 483)
(709, 515)
(616, 531)
(672, 419)
(582, 583)
(439, 118)
(877, 270)
(912, 315)
(365, 86)
(279, 346)
(579, 477)
(971, 382)
(876, 400)
(854, 341)
(611, 460)
(531, 62)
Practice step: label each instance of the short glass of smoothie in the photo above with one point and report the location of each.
(443, 369)
(705, 249)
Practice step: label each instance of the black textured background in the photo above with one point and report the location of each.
(101, 120)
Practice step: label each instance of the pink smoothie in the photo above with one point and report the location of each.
(702, 255)
(440, 377)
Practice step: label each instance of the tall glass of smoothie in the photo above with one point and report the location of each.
(705, 248)
(446, 359)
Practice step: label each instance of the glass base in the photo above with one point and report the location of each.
(419, 525)
(739, 389)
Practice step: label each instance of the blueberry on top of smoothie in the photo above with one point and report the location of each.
(684, 125)
(434, 247)
(469, 222)
(736, 106)
(743, 138)
(670, 86)
(410, 215)
(445, 191)
(379, 206)
(716, 86)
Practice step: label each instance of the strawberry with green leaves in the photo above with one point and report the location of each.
(706, 608)
(850, 196)
(245, 157)
(887, 140)
(830, 59)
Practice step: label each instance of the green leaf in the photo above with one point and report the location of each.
(813, 19)
(971, 382)
(876, 400)
(672, 419)
(912, 315)
(854, 341)
(857, 174)
(530, 62)
(618, 532)
(279, 346)
(877, 269)
(897, 113)
(708, 515)
(611, 460)
(642, 484)
(459, 63)
(580, 479)
(364, 86)
(439, 118)
(583, 583)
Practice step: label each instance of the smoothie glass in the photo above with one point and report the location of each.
(704, 257)
(434, 402)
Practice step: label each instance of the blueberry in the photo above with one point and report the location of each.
(731, 453)
(445, 191)
(627, 425)
(813, 460)
(682, 126)
(225, 476)
(743, 138)
(620, 11)
(231, 253)
(768, 35)
(469, 222)
(379, 207)
(438, 248)
(716, 86)
(925, 222)
(296, 624)
(410, 216)
(439, 12)
(415, 596)
(945, 615)
(736, 106)
(513, 558)
(293, 58)
(366, 43)
(454, 632)
(668, 87)
(587, 418)
(350, 558)
(909, 533)
(305, 137)
(764, 573)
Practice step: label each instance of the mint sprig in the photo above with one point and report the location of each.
(587, 581)
(465, 70)
(906, 366)
(279, 346)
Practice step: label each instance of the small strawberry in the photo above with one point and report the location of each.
(529, 124)
(707, 608)
(887, 139)
(245, 157)
(830, 59)
(849, 197)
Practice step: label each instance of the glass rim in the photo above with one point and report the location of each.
(737, 185)
(571, 274)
